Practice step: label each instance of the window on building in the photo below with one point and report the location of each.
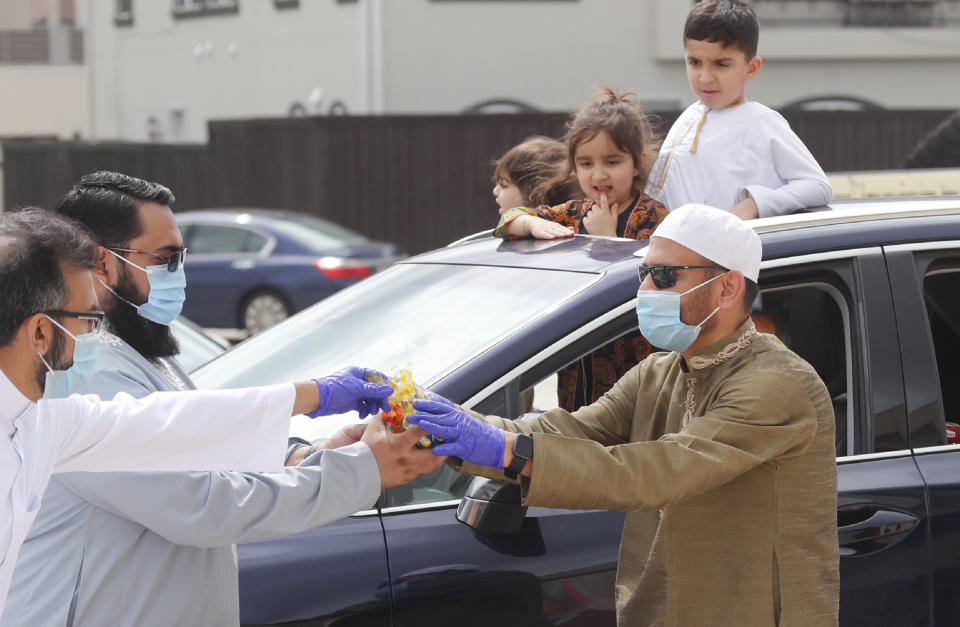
(858, 13)
(218, 5)
(194, 8)
(123, 13)
(187, 5)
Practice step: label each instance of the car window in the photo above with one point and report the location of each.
(811, 320)
(196, 348)
(923, 283)
(429, 318)
(218, 239)
(425, 317)
(317, 233)
(941, 296)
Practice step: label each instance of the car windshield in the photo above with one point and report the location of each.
(196, 348)
(424, 317)
(317, 233)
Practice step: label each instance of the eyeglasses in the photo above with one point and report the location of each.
(666, 276)
(172, 260)
(94, 319)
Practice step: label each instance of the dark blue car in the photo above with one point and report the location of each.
(251, 268)
(868, 293)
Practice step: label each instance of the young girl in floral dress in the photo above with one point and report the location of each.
(610, 148)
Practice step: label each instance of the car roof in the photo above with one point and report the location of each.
(581, 253)
(842, 225)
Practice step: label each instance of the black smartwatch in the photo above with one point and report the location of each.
(522, 453)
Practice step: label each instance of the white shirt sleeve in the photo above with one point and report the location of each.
(244, 429)
(804, 182)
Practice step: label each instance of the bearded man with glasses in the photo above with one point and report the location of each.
(721, 451)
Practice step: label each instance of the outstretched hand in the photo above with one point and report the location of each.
(349, 390)
(397, 455)
(464, 436)
(545, 229)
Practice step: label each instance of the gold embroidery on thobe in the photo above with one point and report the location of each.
(691, 403)
(661, 177)
(698, 362)
(696, 135)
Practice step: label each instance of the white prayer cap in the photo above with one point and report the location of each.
(718, 235)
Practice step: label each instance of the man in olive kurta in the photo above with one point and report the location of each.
(721, 451)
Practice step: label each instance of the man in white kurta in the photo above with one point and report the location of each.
(45, 275)
(244, 429)
(163, 541)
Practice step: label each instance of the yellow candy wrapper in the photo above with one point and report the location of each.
(405, 391)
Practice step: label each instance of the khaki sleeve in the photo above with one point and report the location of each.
(606, 421)
(756, 419)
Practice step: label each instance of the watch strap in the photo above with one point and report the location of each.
(520, 457)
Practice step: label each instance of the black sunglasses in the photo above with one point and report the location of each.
(172, 260)
(92, 318)
(666, 276)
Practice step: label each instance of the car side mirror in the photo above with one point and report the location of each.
(492, 506)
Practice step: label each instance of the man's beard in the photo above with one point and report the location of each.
(54, 358)
(149, 338)
(698, 308)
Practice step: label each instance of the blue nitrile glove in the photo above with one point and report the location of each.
(463, 435)
(348, 389)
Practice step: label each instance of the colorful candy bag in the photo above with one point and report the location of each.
(405, 391)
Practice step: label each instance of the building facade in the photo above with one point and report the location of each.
(42, 77)
(160, 69)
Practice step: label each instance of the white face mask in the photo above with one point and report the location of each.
(658, 315)
(63, 383)
(167, 292)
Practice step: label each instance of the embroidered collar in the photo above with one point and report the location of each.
(699, 362)
(109, 339)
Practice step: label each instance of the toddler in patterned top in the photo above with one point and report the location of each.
(533, 173)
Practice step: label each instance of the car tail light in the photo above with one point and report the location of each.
(337, 268)
(953, 433)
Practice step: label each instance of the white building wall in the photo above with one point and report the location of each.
(184, 72)
(16, 14)
(421, 56)
(445, 56)
(43, 100)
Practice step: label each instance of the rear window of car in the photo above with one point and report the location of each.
(317, 233)
(214, 239)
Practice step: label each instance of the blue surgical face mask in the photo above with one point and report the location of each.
(167, 292)
(63, 383)
(658, 314)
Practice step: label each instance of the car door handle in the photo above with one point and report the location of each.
(243, 264)
(872, 523)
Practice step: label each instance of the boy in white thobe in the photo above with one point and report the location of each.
(724, 151)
